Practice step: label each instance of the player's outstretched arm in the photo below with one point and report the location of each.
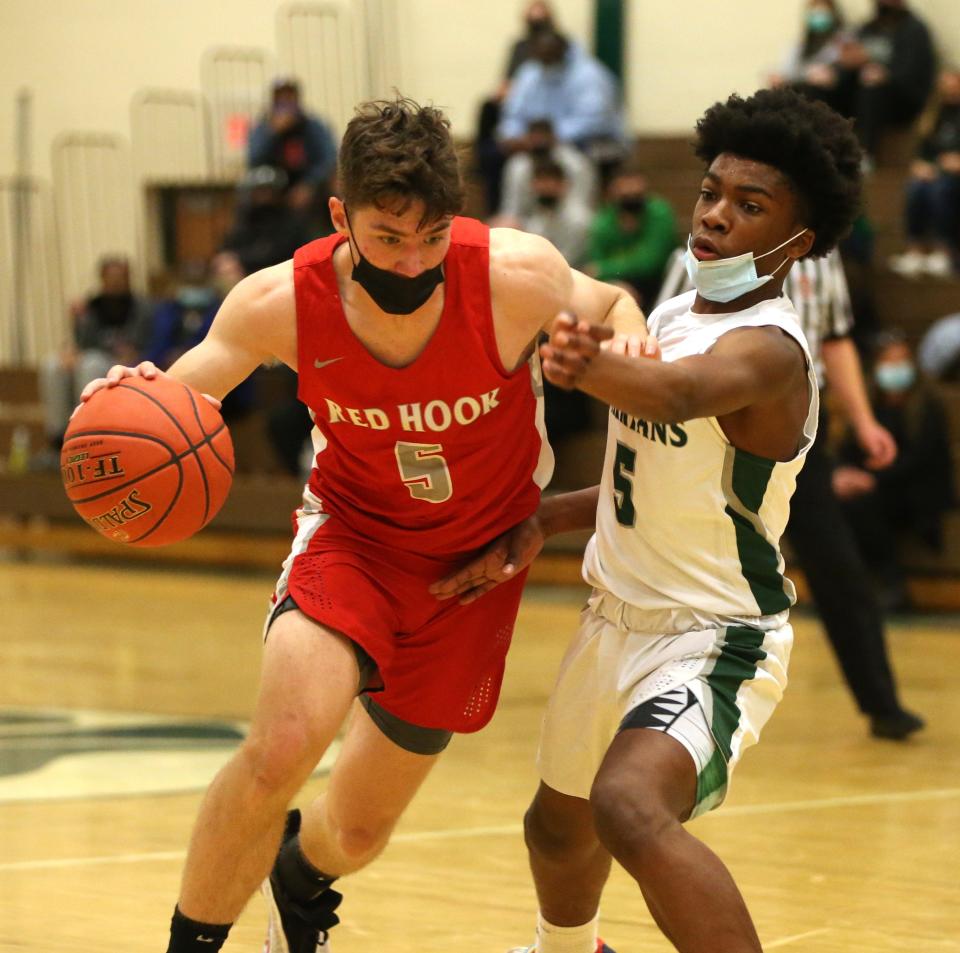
(746, 367)
(255, 323)
(610, 306)
(513, 551)
(531, 284)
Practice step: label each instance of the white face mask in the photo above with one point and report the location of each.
(726, 279)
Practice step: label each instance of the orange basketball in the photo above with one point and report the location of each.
(148, 462)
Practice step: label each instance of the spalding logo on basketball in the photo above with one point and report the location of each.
(148, 462)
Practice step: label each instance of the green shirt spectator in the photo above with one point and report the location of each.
(632, 237)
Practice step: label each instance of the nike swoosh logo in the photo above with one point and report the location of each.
(319, 364)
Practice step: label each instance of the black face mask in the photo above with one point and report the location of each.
(539, 26)
(632, 204)
(113, 309)
(393, 293)
(548, 201)
(888, 10)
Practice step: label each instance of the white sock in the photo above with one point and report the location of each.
(554, 939)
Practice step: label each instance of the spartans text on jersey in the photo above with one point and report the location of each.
(677, 436)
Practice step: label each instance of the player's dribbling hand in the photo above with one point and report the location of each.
(506, 556)
(145, 369)
(116, 374)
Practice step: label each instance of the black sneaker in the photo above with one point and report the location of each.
(896, 727)
(297, 927)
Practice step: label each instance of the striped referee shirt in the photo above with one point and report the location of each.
(817, 287)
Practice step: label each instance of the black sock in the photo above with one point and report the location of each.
(299, 878)
(189, 936)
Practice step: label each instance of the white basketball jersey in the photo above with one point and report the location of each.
(685, 519)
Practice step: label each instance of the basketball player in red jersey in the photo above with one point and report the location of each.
(413, 334)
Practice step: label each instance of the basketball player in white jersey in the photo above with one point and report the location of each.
(683, 647)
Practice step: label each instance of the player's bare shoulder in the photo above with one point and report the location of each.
(520, 261)
(263, 307)
(529, 279)
(774, 355)
(268, 291)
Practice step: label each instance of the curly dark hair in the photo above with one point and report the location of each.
(397, 151)
(813, 147)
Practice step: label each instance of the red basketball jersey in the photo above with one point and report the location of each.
(439, 456)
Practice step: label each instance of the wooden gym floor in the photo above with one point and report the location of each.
(839, 842)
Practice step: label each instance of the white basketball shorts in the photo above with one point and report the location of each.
(709, 685)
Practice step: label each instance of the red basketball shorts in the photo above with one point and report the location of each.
(441, 663)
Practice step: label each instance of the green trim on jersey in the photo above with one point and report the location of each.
(746, 477)
(740, 653)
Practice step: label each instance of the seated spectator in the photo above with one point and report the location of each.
(488, 157)
(183, 319)
(909, 497)
(541, 143)
(537, 19)
(301, 145)
(811, 65)
(557, 213)
(575, 91)
(933, 191)
(939, 350)
(111, 327)
(632, 236)
(885, 75)
(266, 231)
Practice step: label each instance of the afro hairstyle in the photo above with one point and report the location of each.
(812, 146)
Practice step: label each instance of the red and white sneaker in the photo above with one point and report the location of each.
(297, 927)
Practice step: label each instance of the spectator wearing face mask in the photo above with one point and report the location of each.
(183, 318)
(541, 143)
(537, 20)
(111, 326)
(633, 235)
(489, 157)
(556, 213)
(909, 497)
(301, 145)
(811, 65)
(885, 74)
(563, 83)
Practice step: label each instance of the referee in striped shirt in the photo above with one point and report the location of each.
(818, 532)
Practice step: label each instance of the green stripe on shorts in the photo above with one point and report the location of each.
(711, 783)
(740, 654)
